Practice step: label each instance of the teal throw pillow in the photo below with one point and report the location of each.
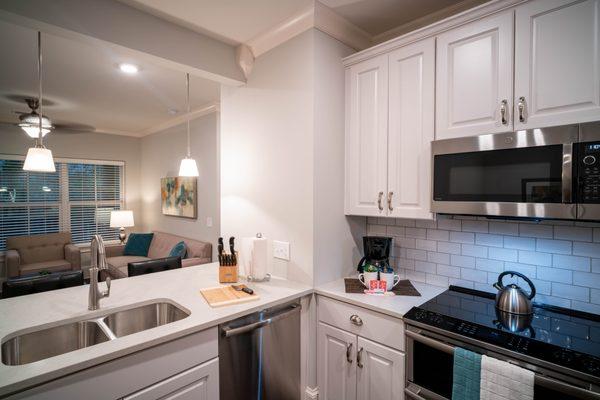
(138, 244)
(179, 250)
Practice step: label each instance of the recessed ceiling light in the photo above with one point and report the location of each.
(129, 68)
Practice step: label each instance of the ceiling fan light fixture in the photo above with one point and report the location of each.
(30, 123)
(39, 159)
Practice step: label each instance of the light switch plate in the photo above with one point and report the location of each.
(209, 222)
(281, 250)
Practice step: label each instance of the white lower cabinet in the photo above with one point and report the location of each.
(198, 383)
(351, 367)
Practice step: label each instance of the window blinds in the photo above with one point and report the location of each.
(78, 197)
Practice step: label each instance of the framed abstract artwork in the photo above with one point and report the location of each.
(178, 197)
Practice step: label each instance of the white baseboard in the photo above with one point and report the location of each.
(311, 393)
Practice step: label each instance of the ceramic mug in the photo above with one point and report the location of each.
(367, 277)
(391, 280)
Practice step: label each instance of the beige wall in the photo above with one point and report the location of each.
(161, 154)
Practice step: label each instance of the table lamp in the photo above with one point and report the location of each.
(121, 219)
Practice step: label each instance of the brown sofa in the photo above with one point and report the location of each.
(35, 253)
(197, 253)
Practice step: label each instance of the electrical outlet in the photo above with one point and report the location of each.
(281, 250)
(209, 222)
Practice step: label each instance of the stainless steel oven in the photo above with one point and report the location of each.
(429, 369)
(537, 173)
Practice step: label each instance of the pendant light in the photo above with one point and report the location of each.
(39, 158)
(188, 165)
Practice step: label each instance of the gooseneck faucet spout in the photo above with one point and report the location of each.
(98, 263)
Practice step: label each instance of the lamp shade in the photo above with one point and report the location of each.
(188, 167)
(39, 159)
(121, 219)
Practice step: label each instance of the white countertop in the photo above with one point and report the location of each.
(395, 306)
(180, 286)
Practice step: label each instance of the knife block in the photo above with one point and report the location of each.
(228, 273)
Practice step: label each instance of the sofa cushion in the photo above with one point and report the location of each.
(178, 250)
(138, 244)
(162, 243)
(40, 248)
(122, 261)
(55, 265)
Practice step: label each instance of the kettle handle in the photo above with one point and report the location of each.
(498, 285)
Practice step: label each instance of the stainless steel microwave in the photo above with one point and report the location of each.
(536, 173)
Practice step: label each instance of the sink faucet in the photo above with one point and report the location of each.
(98, 263)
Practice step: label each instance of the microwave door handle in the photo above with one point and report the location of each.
(567, 173)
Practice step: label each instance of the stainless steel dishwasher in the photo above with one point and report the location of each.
(259, 355)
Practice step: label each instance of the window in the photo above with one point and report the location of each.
(78, 197)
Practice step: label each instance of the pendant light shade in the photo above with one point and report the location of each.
(39, 158)
(188, 165)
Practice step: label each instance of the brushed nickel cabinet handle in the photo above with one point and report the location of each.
(356, 320)
(389, 201)
(521, 107)
(349, 353)
(379, 201)
(503, 105)
(359, 358)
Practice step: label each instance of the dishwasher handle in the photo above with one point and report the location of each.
(229, 332)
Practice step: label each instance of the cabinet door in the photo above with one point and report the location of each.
(557, 62)
(336, 370)
(366, 137)
(380, 372)
(475, 78)
(198, 383)
(411, 129)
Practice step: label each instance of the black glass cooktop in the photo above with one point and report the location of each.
(554, 334)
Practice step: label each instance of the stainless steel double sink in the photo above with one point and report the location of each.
(49, 342)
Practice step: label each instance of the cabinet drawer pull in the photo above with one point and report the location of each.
(349, 353)
(359, 358)
(521, 107)
(389, 201)
(503, 104)
(379, 201)
(356, 320)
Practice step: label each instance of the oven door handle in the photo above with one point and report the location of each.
(567, 173)
(540, 380)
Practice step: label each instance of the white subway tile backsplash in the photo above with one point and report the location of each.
(555, 274)
(424, 244)
(462, 261)
(438, 258)
(496, 253)
(519, 243)
(586, 249)
(504, 228)
(475, 226)
(447, 247)
(462, 237)
(533, 257)
(474, 251)
(562, 259)
(574, 263)
(573, 233)
(536, 230)
(553, 246)
(570, 292)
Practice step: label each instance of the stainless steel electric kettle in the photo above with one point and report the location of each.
(511, 298)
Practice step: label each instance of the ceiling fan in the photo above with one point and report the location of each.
(29, 121)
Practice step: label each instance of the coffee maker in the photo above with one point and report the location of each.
(377, 252)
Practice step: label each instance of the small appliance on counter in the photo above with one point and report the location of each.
(377, 253)
(228, 264)
(511, 298)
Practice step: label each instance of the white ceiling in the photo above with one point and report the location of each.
(231, 21)
(84, 86)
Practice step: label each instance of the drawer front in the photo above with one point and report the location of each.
(369, 324)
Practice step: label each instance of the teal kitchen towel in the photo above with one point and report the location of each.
(467, 375)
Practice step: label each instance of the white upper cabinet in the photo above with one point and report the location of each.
(411, 129)
(557, 63)
(366, 137)
(475, 78)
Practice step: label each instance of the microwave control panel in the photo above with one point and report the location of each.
(589, 172)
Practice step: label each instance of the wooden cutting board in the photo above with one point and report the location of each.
(226, 295)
